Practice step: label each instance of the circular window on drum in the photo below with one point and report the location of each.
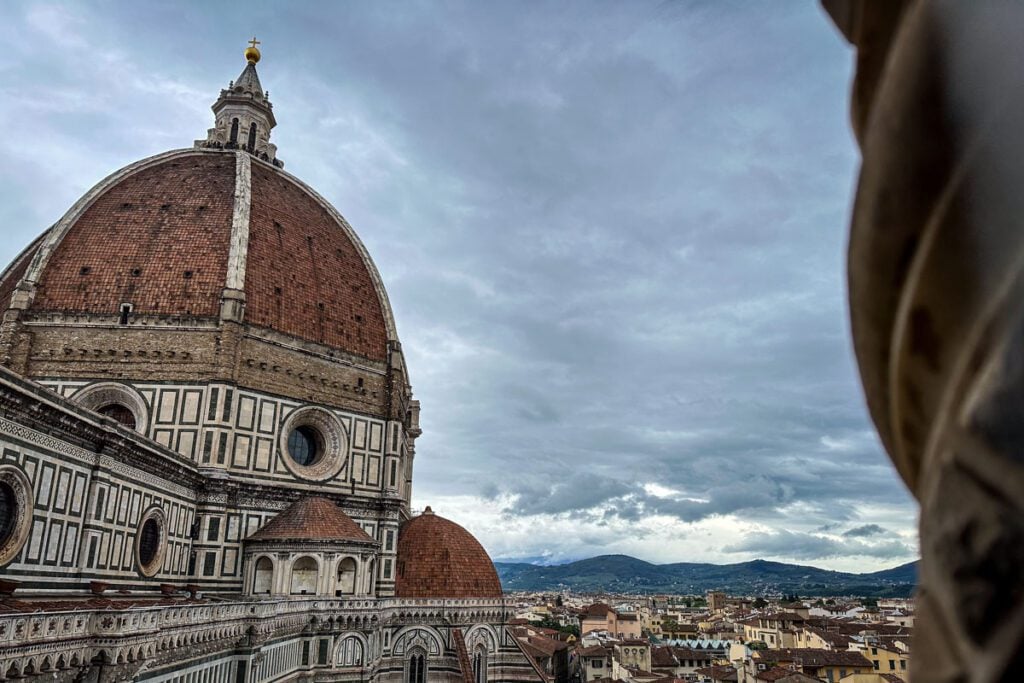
(117, 401)
(151, 541)
(15, 511)
(305, 446)
(314, 443)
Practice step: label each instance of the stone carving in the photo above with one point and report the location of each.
(936, 272)
(334, 442)
(21, 489)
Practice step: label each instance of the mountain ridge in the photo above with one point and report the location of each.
(626, 574)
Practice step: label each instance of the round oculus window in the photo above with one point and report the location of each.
(8, 512)
(151, 542)
(119, 402)
(16, 503)
(304, 445)
(120, 413)
(313, 443)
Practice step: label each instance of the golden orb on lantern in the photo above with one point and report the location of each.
(252, 54)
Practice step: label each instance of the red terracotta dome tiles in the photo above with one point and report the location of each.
(304, 276)
(437, 558)
(311, 519)
(157, 239)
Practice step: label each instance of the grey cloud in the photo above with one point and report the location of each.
(581, 491)
(803, 546)
(613, 236)
(864, 531)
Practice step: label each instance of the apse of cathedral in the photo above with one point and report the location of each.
(208, 435)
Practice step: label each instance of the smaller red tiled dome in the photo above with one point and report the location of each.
(311, 519)
(437, 558)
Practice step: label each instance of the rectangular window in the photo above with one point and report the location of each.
(209, 564)
(213, 404)
(892, 665)
(227, 405)
(387, 569)
(394, 473)
(389, 543)
(214, 531)
(321, 655)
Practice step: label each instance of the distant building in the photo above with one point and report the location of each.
(825, 665)
(595, 662)
(601, 617)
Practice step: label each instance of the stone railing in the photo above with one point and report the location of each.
(111, 622)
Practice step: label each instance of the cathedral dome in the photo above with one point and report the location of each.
(175, 235)
(208, 265)
(437, 558)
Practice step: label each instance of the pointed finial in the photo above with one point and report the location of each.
(252, 54)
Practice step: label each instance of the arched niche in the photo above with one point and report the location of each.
(263, 576)
(347, 571)
(305, 573)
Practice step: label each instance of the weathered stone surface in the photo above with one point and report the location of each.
(936, 270)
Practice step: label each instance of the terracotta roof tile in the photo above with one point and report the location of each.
(810, 657)
(159, 238)
(437, 558)
(311, 519)
(137, 240)
(304, 276)
(719, 673)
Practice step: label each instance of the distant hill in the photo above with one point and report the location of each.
(625, 574)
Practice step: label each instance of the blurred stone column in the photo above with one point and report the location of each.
(936, 278)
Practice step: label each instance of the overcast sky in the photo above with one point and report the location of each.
(613, 235)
